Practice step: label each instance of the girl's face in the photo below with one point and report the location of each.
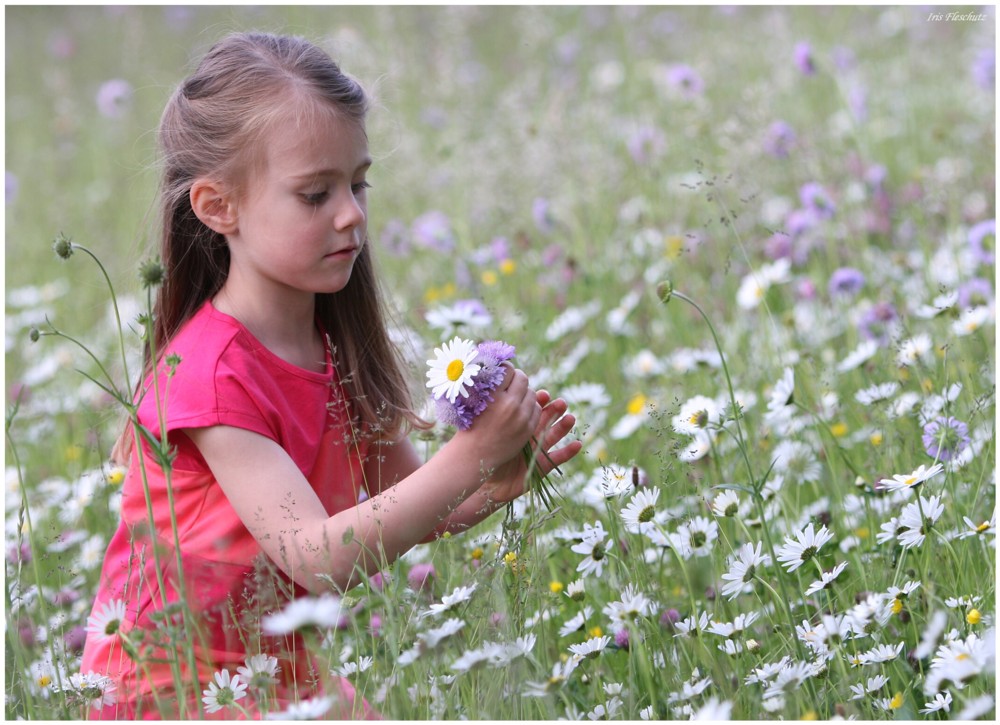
(302, 220)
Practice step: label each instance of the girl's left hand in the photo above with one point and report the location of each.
(507, 481)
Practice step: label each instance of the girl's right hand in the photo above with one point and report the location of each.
(505, 427)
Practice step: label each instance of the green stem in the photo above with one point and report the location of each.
(114, 304)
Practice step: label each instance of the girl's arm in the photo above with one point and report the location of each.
(278, 506)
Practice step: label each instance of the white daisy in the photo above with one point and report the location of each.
(471, 660)
(632, 605)
(314, 708)
(734, 628)
(560, 674)
(593, 549)
(97, 691)
(224, 692)
(874, 684)
(260, 671)
(971, 319)
(743, 569)
(107, 623)
(576, 623)
(462, 316)
(876, 393)
(713, 710)
(324, 612)
(826, 579)
(913, 350)
(696, 537)
(691, 626)
(941, 701)
(591, 648)
(450, 601)
(917, 519)
(433, 637)
(453, 369)
(641, 509)
(858, 356)
(881, 653)
(802, 547)
(726, 504)
(697, 414)
(696, 448)
(607, 711)
(363, 664)
(901, 481)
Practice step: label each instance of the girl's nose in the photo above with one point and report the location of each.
(350, 212)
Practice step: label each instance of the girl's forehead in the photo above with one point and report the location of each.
(314, 138)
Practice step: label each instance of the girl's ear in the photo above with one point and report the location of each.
(214, 206)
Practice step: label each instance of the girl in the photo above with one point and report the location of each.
(272, 375)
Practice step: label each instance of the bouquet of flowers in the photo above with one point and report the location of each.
(462, 378)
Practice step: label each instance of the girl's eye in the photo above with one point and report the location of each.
(360, 186)
(315, 198)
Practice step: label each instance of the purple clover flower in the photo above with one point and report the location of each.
(846, 282)
(945, 438)
(490, 358)
(621, 638)
(982, 240)
(420, 576)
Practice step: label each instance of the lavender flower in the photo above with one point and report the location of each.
(945, 438)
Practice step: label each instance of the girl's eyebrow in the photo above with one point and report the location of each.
(332, 172)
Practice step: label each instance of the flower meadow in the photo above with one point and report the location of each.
(753, 247)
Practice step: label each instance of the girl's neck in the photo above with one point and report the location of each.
(288, 329)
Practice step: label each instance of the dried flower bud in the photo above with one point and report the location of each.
(62, 246)
(665, 290)
(152, 273)
(34, 334)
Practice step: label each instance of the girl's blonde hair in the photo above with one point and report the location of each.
(212, 127)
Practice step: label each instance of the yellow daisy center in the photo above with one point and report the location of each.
(636, 405)
(897, 701)
(910, 481)
(44, 680)
(455, 370)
